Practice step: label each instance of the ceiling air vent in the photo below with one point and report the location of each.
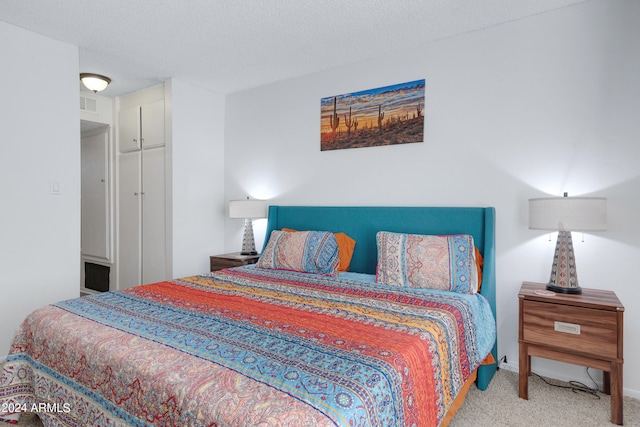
(89, 105)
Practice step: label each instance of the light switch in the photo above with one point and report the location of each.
(55, 187)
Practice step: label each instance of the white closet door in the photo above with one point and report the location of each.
(153, 124)
(153, 216)
(95, 195)
(129, 207)
(129, 129)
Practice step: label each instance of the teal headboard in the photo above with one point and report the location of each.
(363, 222)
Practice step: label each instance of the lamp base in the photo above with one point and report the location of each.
(248, 243)
(564, 290)
(564, 278)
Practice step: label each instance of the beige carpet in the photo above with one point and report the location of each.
(500, 406)
(548, 406)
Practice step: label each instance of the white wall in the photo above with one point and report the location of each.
(196, 144)
(39, 119)
(537, 106)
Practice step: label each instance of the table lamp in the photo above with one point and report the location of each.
(248, 210)
(566, 214)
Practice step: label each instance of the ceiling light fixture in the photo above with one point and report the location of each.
(94, 82)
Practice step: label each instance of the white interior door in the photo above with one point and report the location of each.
(95, 207)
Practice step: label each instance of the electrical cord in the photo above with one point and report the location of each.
(502, 359)
(576, 386)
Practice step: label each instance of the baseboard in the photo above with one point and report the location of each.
(508, 366)
(86, 291)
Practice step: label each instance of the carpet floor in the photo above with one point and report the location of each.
(500, 406)
(548, 406)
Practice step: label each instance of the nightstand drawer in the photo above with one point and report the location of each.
(576, 329)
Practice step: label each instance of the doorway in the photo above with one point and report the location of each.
(96, 208)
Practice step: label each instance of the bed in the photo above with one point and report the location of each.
(263, 345)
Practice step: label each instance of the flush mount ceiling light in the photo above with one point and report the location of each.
(94, 82)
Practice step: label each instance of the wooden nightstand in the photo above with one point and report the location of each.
(584, 329)
(218, 262)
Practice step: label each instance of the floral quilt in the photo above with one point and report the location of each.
(248, 347)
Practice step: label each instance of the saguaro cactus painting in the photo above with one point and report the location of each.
(384, 116)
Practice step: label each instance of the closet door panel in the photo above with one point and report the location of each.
(129, 207)
(153, 216)
(153, 124)
(129, 129)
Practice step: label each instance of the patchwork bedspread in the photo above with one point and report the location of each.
(248, 347)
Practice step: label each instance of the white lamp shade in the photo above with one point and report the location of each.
(94, 82)
(568, 213)
(247, 209)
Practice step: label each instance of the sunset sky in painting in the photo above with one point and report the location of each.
(396, 100)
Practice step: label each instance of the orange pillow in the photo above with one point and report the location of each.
(479, 266)
(345, 248)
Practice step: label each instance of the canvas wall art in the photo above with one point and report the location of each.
(384, 116)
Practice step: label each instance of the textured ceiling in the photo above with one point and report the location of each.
(231, 45)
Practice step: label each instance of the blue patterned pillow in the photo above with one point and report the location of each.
(304, 251)
(436, 262)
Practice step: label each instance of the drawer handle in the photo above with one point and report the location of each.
(567, 328)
